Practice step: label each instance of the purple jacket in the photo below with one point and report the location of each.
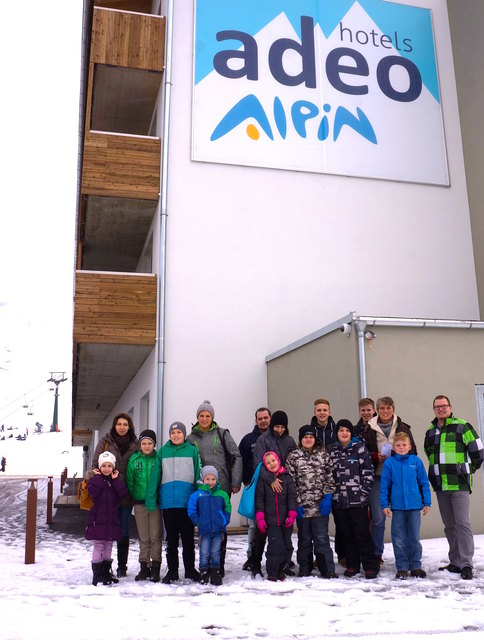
(103, 522)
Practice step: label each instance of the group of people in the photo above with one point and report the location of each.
(187, 482)
(361, 474)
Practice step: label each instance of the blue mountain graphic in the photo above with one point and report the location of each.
(251, 16)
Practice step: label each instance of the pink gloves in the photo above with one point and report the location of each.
(261, 521)
(291, 516)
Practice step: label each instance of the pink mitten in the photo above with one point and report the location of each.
(261, 521)
(291, 516)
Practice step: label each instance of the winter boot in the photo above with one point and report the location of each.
(170, 577)
(215, 577)
(97, 572)
(204, 576)
(109, 577)
(123, 550)
(155, 571)
(256, 569)
(144, 572)
(192, 574)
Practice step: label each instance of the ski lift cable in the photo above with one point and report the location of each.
(22, 397)
(21, 407)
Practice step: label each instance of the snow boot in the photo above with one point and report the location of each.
(170, 577)
(109, 577)
(123, 550)
(155, 571)
(215, 577)
(97, 572)
(204, 576)
(144, 572)
(192, 574)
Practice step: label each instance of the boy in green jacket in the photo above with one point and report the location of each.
(138, 474)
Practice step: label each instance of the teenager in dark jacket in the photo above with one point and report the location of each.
(277, 439)
(106, 489)
(353, 475)
(324, 424)
(275, 513)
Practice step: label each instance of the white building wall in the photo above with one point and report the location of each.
(257, 258)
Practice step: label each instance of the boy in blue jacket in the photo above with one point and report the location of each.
(405, 486)
(209, 508)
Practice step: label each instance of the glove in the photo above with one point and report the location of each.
(261, 521)
(325, 506)
(291, 516)
(300, 512)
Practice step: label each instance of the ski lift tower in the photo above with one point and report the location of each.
(56, 377)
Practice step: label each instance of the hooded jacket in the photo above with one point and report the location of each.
(353, 473)
(174, 476)
(212, 452)
(210, 509)
(103, 520)
(404, 485)
(312, 473)
(138, 474)
(328, 435)
(122, 453)
(271, 441)
(276, 506)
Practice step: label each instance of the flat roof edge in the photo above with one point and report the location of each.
(373, 321)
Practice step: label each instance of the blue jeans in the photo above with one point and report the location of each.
(313, 531)
(210, 550)
(406, 539)
(377, 517)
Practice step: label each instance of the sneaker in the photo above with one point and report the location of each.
(466, 573)
(371, 574)
(247, 566)
(401, 575)
(452, 568)
(418, 573)
(350, 572)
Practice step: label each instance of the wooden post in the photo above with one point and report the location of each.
(50, 496)
(30, 526)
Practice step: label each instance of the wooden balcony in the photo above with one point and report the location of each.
(114, 308)
(121, 166)
(127, 39)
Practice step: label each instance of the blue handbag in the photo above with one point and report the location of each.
(247, 500)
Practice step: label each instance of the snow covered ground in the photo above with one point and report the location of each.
(54, 599)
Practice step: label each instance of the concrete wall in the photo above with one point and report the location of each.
(412, 365)
(327, 368)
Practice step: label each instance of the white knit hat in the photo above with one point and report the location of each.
(106, 456)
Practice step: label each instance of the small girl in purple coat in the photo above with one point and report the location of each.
(106, 489)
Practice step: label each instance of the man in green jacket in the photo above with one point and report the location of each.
(455, 452)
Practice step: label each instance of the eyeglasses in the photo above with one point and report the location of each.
(440, 407)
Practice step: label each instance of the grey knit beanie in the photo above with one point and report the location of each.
(206, 406)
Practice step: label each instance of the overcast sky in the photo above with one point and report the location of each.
(40, 49)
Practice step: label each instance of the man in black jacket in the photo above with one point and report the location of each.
(246, 448)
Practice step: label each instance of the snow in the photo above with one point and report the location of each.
(54, 599)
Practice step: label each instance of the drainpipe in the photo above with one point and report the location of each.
(360, 329)
(160, 311)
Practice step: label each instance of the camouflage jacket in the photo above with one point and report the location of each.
(353, 473)
(313, 476)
